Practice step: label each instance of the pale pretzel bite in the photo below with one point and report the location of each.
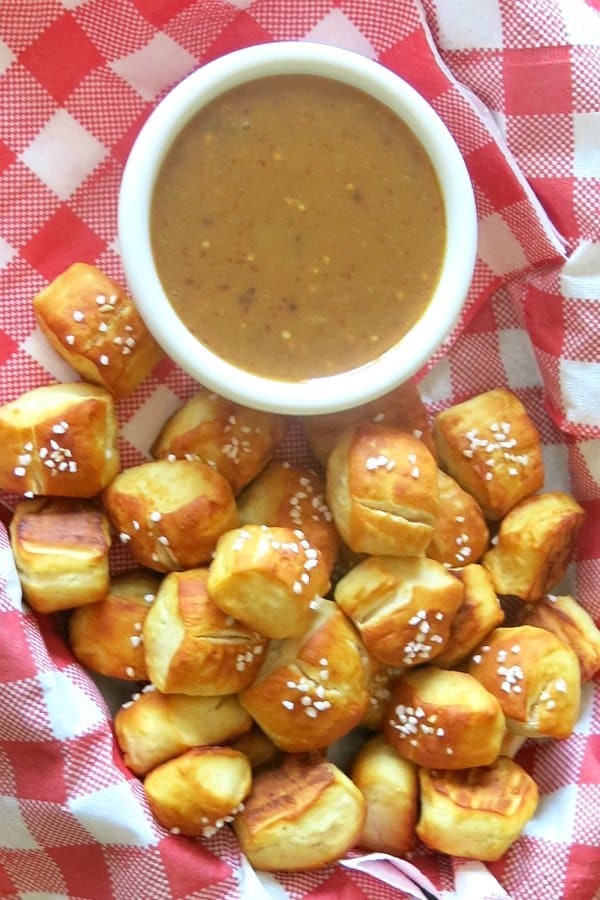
(476, 813)
(403, 607)
(291, 497)
(236, 441)
(490, 446)
(382, 491)
(200, 791)
(460, 535)
(536, 542)
(191, 646)
(312, 688)
(92, 323)
(444, 719)
(402, 409)
(301, 814)
(107, 636)
(267, 578)
(535, 677)
(170, 514)
(153, 727)
(389, 784)
(478, 614)
(61, 550)
(572, 624)
(59, 440)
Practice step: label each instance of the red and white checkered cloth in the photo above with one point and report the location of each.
(518, 84)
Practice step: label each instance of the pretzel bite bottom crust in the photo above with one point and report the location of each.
(476, 813)
(61, 548)
(300, 815)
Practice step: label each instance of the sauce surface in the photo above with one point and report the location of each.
(297, 227)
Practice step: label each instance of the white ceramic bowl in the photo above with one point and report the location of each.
(334, 392)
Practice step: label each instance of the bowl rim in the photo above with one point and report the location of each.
(321, 394)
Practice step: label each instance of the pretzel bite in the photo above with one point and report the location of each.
(570, 622)
(259, 749)
(536, 541)
(534, 676)
(443, 719)
(490, 446)
(236, 441)
(460, 535)
(300, 815)
(294, 498)
(198, 792)
(107, 636)
(61, 550)
(92, 323)
(267, 578)
(191, 646)
(389, 785)
(154, 727)
(312, 688)
(476, 813)
(379, 684)
(59, 440)
(382, 491)
(402, 606)
(170, 514)
(478, 614)
(402, 409)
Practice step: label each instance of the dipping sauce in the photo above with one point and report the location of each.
(297, 227)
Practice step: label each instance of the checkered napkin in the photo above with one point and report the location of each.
(517, 84)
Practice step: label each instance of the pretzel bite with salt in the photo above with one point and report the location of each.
(236, 441)
(444, 719)
(460, 535)
(107, 637)
(200, 791)
(478, 614)
(301, 814)
(267, 577)
(61, 548)
(170, 514)
(490, 446)
(59, 440)
(379, 686)
(92, 323)
(536, 542)
(570, 622)
(402, 409)
(312, 688)
(382, 490)
(402, 606)
(191, 646)
(389, 784)
(535, 678)
(153, 727)
(291, 497)
(476, 813)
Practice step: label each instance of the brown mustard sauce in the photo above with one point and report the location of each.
(297, 227)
